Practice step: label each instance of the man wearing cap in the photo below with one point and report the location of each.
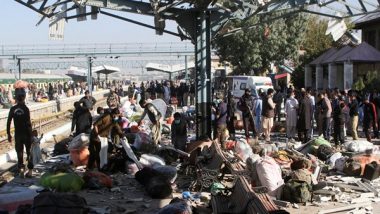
(87, 101)
(22, 130)
(245, 105)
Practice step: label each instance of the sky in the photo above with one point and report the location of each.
(18, 26)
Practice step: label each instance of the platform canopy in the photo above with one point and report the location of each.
(105, 69)
(77, 73)
(169, 68)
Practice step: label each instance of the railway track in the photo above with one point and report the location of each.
(42, 125)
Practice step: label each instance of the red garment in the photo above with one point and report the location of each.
(374, 113)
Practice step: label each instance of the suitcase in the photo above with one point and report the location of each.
(371, 171)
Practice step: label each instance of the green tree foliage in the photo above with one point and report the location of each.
(313, 45)
(254, 48)
(369, 82)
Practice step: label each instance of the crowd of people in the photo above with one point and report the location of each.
(55, 90)
(179, 93)
(335, 113)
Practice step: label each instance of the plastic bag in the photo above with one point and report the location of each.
(79, 141)
(149, 160)
(358, 146)
(269, 173)
(62, 182)
(168, 172)
(333, 158)
(177, 206)
(243, 150)
(100, 178)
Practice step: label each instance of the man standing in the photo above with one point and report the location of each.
(192, 93)
(304, 117)
(185, 94)
(82, 120)
(167, 91)
(113, 100)
(278, 98)
(22, 129)
(326, 110)
(268, 114)
(376, 102)
(370, 118)
(221, 118)
(245, 105)
(291, 108)
(88, 101)
(354, 115)
(231, 108)
(154, 116)
(258, 109)
(99, 138)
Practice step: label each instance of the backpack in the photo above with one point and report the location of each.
(61, 147)
(59, 203)
(324, 152)
(296, 191)
(352, 168)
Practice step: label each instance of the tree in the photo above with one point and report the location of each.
(255, 48)
(314, 44)
(367, 82)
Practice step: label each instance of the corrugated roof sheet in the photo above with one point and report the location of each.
(324, 56)
(340, 52)
(371, 17)
(361, 53)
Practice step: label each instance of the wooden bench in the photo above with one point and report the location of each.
(210, 169)
(244, 200)
(262, 202)
(237, 202)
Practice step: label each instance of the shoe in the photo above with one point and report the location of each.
(29, 174)
(21, 173)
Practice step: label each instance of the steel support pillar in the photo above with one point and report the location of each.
(203, 75)
(308, 76)
(89, 75)
(319, 77)
(186, 69)
(348, 75)
(333, 74)
(19, 68)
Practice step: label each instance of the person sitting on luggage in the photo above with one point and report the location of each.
(99, 138)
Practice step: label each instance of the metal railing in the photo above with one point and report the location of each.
(95, 49)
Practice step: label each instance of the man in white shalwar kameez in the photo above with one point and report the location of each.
(291, 107)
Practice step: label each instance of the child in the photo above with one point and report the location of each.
(179, 132)
(35, 150)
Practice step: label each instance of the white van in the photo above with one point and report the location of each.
(237, 84)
